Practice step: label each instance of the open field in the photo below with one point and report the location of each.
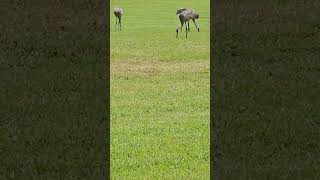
(159, 92)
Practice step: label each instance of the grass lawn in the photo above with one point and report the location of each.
(159, 92)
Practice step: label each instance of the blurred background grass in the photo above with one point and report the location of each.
(266, 81)
(53, 89)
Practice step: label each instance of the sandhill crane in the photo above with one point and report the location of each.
(180, 10)
(118, 12)
(184, 17)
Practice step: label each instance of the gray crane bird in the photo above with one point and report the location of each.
(184, 17)
(180, 10)
(118, 12)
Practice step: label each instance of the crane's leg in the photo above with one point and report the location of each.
(196, 24)
(115, 27)
(186, 29)
(120, 22)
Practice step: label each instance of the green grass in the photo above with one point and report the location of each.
(159, 92)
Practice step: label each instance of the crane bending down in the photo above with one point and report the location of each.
(180, 10)
(118, 12)
(184, 17)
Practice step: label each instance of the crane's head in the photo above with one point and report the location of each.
(197, 16)
(177, 31)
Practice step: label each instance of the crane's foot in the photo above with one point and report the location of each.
(198, 30)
